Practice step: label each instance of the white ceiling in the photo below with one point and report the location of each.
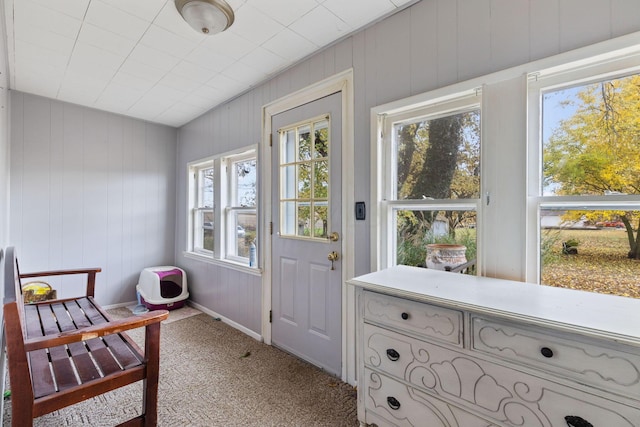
(139, 58)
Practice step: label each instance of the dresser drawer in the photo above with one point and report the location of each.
(585, 361)
(391, 403)
(419, 318)
(491, 390)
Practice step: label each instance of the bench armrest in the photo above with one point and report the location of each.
(90, 272)
(95, 331)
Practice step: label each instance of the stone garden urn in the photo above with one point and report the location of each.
(441, 255)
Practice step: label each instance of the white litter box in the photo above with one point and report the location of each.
(162, 288)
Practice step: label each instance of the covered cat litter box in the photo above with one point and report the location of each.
(162, 288)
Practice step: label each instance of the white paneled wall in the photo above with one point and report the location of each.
(432, 44)
(90, 189)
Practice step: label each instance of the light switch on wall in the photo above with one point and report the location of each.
(360, 211)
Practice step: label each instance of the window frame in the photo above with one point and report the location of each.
(223, 209)
(455, 99)
(196, 208)
(230, 208)
(590, 70)
(508, 220)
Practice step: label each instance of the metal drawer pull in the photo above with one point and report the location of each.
(394, 404)
(574, 421)
(404, 316)
(392, 354)
(546, 352)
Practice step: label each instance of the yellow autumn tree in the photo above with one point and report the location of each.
(596, 151)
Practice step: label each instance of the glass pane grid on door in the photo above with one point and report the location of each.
(304, 180)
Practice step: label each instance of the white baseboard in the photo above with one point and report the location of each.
(256, 336)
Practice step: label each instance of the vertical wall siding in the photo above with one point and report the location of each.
(91, 189)
(432, 44)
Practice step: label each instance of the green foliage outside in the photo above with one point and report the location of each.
(413, 250)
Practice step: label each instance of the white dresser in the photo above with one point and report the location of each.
(445, 349)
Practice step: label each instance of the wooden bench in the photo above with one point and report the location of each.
(64, 351)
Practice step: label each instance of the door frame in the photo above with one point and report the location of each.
(343, 83)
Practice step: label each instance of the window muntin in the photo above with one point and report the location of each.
(304, 179)
(588, 185)
(432, 179)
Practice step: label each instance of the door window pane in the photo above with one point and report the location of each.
(305, 182)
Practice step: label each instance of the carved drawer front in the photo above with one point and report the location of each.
(588, 363)
(394, 354)
(418, 318)
(496, 392)
(391, 403)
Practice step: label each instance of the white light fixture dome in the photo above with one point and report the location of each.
(206, 16)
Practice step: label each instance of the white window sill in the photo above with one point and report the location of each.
(223, 263)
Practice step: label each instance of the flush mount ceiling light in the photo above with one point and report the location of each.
(206, 16)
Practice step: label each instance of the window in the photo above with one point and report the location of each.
(202, 212)
(432, 158)
(241, 214)
(537, 175)
(228, 181)
(587, 194)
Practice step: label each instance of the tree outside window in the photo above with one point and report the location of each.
(437, 159)
(591, 151)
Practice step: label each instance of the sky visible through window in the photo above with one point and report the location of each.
(557, 106)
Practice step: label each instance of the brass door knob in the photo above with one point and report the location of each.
(333, 256)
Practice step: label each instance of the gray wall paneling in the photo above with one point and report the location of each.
(91, 189)
(432, 44)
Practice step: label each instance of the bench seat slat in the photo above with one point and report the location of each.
(127, 357)
(78, 316)
(43, 383)
(102, 357)
(63, 371)
(79, 353)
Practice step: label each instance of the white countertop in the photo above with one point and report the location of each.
(564, 309)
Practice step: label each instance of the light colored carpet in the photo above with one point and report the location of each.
(213, 375)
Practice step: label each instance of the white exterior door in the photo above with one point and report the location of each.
(307, 226)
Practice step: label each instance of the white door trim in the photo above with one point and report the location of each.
(343, 83)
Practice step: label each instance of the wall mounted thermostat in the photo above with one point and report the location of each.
(361, 212)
